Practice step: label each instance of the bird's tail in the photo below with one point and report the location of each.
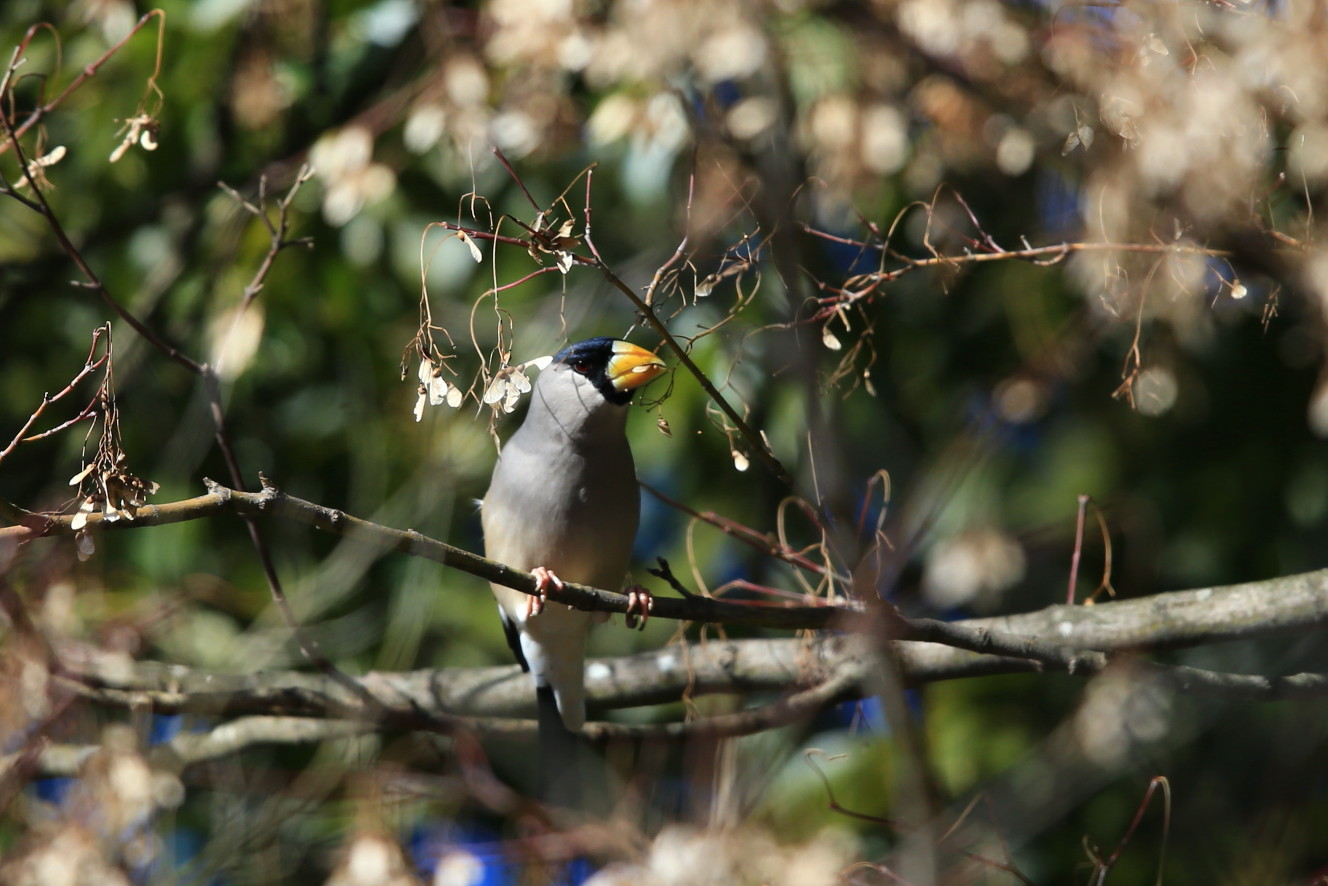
(559, 755)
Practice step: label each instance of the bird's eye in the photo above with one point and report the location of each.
(582, 366)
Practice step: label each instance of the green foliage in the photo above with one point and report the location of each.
(984, 389)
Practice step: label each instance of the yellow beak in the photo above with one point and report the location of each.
(631, 367)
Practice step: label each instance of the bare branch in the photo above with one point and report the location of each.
(272, 502)
(93, 361)
(1110, 635)
(189, 749)
(87, 72)
(655, 677)
(1052, 635)
(241, 734)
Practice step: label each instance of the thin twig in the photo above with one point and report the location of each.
(1078, 549)
(93, 281)
(754, 441)
(91, 363)
(85, 73)
(742, 533)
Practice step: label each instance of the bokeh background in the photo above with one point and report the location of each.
(1168, 363)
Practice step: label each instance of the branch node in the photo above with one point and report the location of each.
(665, 573)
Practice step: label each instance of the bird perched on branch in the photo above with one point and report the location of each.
(563, 504)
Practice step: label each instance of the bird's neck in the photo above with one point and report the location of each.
(586, 429)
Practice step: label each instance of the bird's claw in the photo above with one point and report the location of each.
(544, 581)
(642, 601)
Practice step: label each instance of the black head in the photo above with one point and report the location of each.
(616, 368)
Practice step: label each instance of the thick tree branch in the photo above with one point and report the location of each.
(660, 676)
(297, 702)
(668, 674)
(243, 733)
(1171, 620)
(297, 707)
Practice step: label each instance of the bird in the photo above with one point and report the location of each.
(563, 504)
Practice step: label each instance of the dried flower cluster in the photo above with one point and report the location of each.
(106, 484)
(116, 492)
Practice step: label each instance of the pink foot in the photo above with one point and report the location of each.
(544, 580)
(638, 600)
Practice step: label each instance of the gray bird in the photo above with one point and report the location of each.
(563, 504)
